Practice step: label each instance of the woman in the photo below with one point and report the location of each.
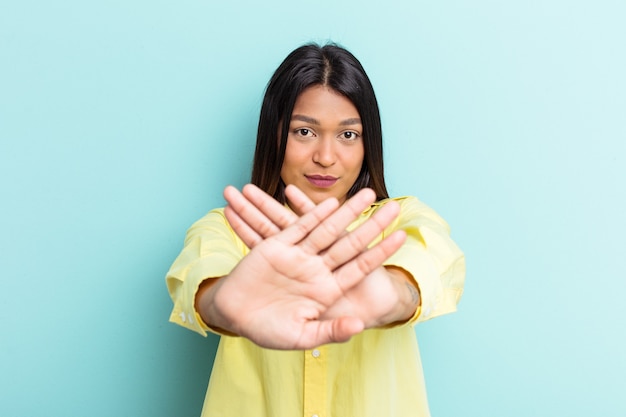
(314, 276)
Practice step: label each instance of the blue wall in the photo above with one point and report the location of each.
(120, 124)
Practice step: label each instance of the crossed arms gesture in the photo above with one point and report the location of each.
(306, 281)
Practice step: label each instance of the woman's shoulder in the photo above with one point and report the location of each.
(412, 207)
(405, 201)
(214, 216)
(213, 223)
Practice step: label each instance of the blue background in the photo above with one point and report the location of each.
(121, 122)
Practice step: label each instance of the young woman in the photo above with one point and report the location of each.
(314, 276)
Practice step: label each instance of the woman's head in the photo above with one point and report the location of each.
(338, 71)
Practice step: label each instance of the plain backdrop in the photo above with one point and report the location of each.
(122, 121)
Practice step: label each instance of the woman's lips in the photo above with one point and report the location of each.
(322, 181)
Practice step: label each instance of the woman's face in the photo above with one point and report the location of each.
(324, 150)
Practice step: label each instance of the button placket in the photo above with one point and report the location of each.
(314, 382)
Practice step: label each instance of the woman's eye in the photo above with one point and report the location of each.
(349, 135)
(303, 132)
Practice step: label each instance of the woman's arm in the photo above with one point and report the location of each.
(387, 295)
(280, 294)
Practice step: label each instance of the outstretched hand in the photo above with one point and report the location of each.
(386, 295)
(282, 294)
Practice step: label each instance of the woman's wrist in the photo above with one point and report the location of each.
(207, 308)
(408, 295)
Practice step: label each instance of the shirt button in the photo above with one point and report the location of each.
(316, 354)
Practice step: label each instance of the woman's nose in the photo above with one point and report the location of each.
(324, 153)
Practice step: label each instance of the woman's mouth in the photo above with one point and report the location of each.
(322, 181)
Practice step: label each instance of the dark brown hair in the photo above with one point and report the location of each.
(331, 66)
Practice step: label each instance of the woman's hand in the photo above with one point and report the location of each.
(299, 268)
(386, 295)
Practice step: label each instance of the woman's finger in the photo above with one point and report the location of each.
(249, 237)
(277, 213)
(299, 230)
(351, 273)
(328, 232)
(298, 200)
(357, 241)
(320, 332)
(249, 213)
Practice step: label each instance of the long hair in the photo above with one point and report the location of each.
(309, 65)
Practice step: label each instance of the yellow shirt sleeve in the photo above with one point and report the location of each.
(211, 250)
(431, 257)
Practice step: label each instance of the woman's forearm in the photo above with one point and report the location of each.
(408, 296)
(207, 308)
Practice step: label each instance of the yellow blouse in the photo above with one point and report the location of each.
(377, 373)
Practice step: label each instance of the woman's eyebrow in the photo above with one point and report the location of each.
(305, 119)
(313, 121)
(353, 121)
